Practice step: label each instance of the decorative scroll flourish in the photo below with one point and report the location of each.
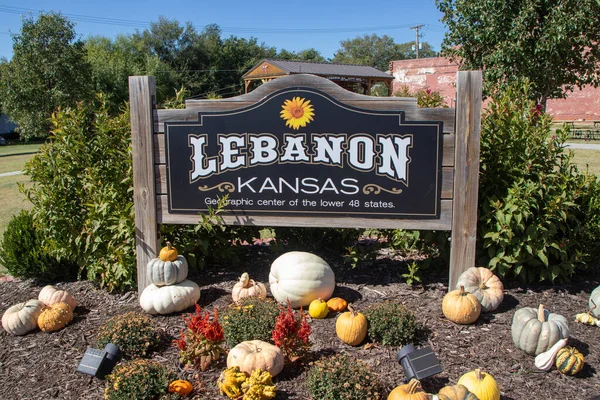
(223, 186)
(372, 188)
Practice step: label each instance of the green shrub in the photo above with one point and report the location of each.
(210, 241)
(333, 240)
(538, 214)
(342, 377)
(426, 98)
(134, 333)
(391, 324)
(81, 194)
(138, 379)
(23, 255)
(252, 319)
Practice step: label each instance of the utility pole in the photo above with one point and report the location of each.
(416, 28)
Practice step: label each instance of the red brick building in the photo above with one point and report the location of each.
(439, 74)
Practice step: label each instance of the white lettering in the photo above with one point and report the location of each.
(267, 185)
(328, 149)
(247, 183)
(294, 150)
(230, 152)
(200, 169)
(306, 182)
(394, 156)
(361, 152)
(263, 149)
(329, 185)
(348, 184)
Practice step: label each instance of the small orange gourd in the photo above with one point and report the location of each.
(351, 327)
(337, 304)
(55, 317)
(168, 253)
(181, 387)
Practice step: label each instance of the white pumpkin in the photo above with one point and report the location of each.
(301, 277)
(50, 295)
(247, 287)
(256, 354)
(169, 299)
(23, 317)
(164, 273)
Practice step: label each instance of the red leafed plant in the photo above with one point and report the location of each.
(291, 333)
(202, 342)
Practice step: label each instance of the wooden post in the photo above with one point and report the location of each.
(142, 96)
(466, 173)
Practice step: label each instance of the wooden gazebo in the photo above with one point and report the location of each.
(347, 76)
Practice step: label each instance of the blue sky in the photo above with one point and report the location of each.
(292, 25)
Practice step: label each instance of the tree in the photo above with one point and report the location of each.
(48, 70)
(112, 62)
(377, 51)
(553, 43)
(370, 50)
(425, 50)
(312, 55)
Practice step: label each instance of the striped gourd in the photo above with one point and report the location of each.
(569, 360)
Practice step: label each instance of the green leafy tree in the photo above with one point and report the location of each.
(377, 51)
(113, 61)
(48, 70)
(425, 50)
(553, 43)
(312, 55)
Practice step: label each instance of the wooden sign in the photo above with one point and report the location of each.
(301, 151)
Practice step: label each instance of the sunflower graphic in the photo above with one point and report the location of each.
(297, 112)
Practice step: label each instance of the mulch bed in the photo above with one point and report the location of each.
(43, 366)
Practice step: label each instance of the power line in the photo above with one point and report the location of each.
(230, 29)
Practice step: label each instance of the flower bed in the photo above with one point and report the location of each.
(42, 365)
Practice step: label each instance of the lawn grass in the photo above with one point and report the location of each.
(12, 200)
(14, 163)
(589, 159)
(19, 148)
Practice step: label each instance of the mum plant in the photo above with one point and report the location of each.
(202, 342)
(134, 333)
(251, 318)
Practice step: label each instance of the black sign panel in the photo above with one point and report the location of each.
(299, 152)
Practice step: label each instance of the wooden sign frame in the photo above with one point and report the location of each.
(460, 163)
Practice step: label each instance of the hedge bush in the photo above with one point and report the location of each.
(22, 253)
(538, 214)
(81, 193)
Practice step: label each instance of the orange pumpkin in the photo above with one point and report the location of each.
(351, 327)
(168, 253)
(337, 304)
(410, 391)
(461, 307)
(181, 387)
(55, 317)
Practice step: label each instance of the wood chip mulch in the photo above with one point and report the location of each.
(43, 365)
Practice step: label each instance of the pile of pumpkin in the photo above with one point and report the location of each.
(303, 279)
(535, 331)
(52, 311)
(474, 385)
